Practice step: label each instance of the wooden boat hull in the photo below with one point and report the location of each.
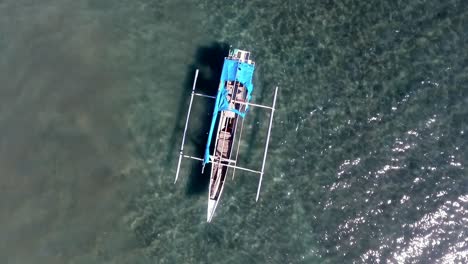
(225, 137)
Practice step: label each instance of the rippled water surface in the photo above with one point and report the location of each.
(368, 154)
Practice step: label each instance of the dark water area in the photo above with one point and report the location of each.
(367, 155)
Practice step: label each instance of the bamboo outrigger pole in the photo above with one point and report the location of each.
(181, 153)
(266, 145)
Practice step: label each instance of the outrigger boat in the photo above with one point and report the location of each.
(232, 103)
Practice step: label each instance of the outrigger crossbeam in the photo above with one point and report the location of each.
(231, 163)
(224, 165)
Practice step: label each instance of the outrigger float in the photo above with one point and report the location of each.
(232, 104)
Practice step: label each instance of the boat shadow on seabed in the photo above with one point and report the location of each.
(209, 60)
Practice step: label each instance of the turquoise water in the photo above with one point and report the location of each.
(367, 156)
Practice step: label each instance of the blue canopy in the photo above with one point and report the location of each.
(233, 70)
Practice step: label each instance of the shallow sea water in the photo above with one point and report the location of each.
(367, 156)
